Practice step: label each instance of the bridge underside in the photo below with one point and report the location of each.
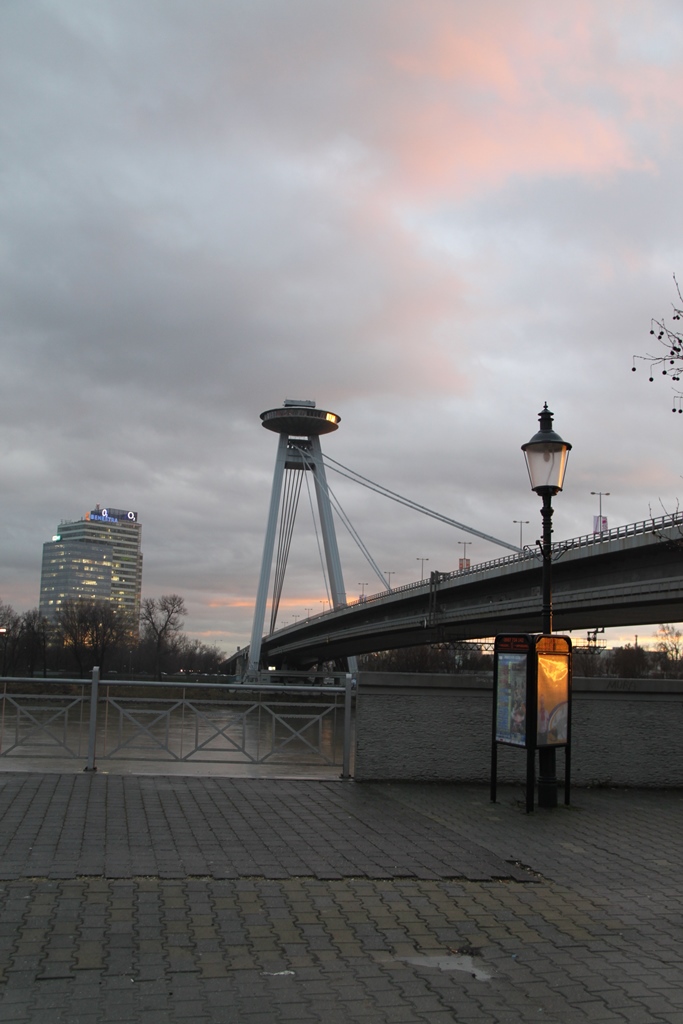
(627, 581)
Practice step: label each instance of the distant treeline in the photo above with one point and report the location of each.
(89, 633)
(589, 659)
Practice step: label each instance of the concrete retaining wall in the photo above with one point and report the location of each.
(626, 732)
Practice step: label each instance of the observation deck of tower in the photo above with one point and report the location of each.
(300, 419)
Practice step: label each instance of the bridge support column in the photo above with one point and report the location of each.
(267, 559)
(334, 569)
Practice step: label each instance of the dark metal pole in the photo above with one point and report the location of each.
(530, 772)
(346, 756)
(547, 762)
(92, 732)
(547, 553)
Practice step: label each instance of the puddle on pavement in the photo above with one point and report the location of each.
(449, 963)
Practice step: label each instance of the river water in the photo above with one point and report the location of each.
(273, 736)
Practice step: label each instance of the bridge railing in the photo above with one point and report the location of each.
(531, 553)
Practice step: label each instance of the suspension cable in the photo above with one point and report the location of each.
(334, 501)
(288, 514)
(308, 464)
(350, 474)
(337, 506)
(288, 509)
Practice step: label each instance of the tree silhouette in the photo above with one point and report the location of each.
(90, 629)
(670, 647)
(669, 360)
(161, 623)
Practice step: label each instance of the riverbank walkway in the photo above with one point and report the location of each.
(157, 899)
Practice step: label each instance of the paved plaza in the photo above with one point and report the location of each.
(248, 901)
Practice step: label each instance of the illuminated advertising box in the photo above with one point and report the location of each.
(532, 690)
(511, 673)
(532, 681)
(553, 690)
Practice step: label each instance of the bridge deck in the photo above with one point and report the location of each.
(632, 575)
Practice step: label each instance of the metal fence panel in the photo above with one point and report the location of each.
(285, 723)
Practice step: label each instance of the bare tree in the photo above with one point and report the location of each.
(35, 637)
(670, 646)
(72, 626)
(162, 625)
(195, 657)
(630, 662)
(668, 359)
(108, 627)
(90, 630)
(10, 638)
(432, 658)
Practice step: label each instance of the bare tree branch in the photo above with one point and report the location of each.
(162, 624)
(669, 360)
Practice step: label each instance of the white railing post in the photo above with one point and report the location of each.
(346, 756)
(92, 732)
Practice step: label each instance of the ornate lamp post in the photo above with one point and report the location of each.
(546, 459)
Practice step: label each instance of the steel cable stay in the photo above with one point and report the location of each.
(355, 536)
(334, 501)
(309, 464)
(288, 509)
(288, 513)
(351, 474)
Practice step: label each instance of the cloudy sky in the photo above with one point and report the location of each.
(429, 216)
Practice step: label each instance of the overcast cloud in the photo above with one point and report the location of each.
(429, 216)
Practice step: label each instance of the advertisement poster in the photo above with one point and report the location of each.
(553, 699)
(511, 698)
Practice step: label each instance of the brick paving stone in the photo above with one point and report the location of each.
(180, 921)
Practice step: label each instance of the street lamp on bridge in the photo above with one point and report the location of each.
(521, 523)
(601, 495)
(422, 566)
(546, 460)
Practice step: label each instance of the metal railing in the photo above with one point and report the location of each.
(293, 723)
(529, 553)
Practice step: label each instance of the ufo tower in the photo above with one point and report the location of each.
(299, 426)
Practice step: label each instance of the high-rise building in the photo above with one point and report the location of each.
(95, 558)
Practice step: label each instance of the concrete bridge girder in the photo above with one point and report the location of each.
(621, 582)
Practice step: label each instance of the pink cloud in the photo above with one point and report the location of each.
(228, 602)
(518, 90)
(446, 151)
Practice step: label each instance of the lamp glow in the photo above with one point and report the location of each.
(546, 456)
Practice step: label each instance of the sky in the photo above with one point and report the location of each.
(429, 216)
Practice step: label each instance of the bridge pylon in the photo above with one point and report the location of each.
(299, 425)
